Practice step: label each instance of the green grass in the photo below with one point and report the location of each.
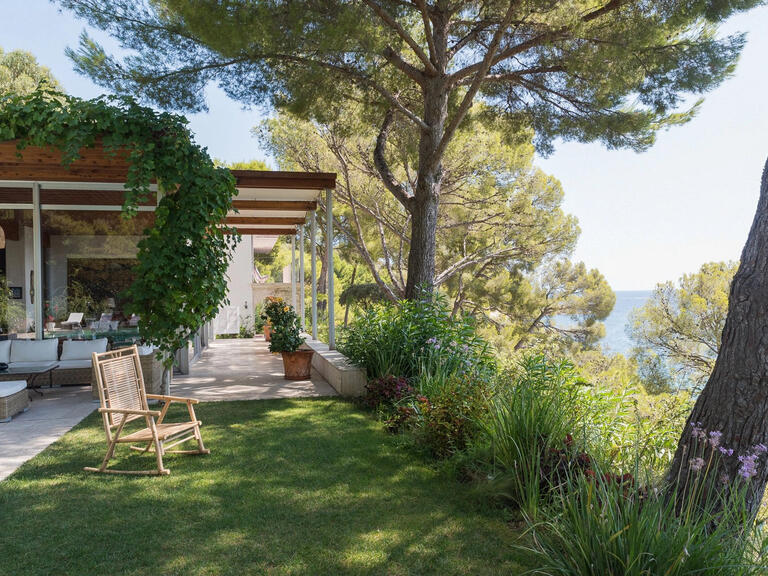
(303, 487)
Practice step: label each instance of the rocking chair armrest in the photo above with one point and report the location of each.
(155, 413)
(172, 398)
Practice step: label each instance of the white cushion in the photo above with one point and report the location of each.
(11, 387)
(42, 364)
(5, 351)
(82, 349)
(35, 350)
(70, 364)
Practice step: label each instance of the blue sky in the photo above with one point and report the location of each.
(645, 218)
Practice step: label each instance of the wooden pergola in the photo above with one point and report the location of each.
(269, 204)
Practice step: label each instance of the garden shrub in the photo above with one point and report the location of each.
(536, 426)
(400, 340)
(630, 425)
(447, 421)
(246, 327)
(272, 310)
(386, 391)
(446, 365)
(286, 330)
(606, 525)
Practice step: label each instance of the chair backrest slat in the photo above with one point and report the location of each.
(120, 382)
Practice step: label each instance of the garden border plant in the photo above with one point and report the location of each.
(570, 456)
(428, 370)
(180, 279)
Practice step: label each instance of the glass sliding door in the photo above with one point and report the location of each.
(88, 261)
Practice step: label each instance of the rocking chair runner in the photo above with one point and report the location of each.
(123, 400)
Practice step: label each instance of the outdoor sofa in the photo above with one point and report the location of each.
(75, 367)
(72, 356)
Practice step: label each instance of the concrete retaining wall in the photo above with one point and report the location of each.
(346, 379)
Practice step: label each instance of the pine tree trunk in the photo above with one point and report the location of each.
(735, 399)
(421, 258)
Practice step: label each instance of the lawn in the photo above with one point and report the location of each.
(292, 487)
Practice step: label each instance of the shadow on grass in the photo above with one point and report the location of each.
(301, 487)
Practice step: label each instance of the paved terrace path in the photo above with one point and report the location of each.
(227, 370)
(49, 417)
(243, 369)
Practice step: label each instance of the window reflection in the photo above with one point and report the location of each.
(88, 262)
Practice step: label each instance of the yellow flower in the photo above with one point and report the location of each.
(286, 309)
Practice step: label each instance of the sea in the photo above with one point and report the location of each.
(616, 339)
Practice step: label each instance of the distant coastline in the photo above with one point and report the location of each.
(616, 339)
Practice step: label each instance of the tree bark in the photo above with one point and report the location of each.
(421, 258)
(735, 398)
(426, 197)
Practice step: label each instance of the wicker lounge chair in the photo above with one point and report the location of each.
(123, 400)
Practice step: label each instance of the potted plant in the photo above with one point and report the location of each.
(287, 339)
(270, 311)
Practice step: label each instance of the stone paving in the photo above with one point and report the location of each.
(244, 370)
(48, 418)
(226, 370)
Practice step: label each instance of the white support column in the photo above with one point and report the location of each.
(301, 276)
(37, 260)
(293, 272)
(329, 252)
(313, 252)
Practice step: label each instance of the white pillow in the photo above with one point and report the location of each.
(82, 349)
(35, 350)
(5, 351)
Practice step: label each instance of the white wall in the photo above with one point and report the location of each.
(239, 294)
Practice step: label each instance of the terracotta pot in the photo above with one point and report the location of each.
(297, 365)
(267, 332)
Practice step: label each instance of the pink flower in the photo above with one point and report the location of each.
(697, 431)
(714, 438)
(748, 467)
(697, 464)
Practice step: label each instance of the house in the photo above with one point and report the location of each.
(65, 247)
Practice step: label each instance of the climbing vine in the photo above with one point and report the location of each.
(180, 280)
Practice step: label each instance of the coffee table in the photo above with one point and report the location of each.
(32, 374)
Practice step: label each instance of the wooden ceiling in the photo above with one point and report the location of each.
(271, 192)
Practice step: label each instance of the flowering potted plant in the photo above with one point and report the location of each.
(287, 339)
(271, 310)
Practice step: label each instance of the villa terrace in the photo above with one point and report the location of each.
(227, 370)
(63, 238)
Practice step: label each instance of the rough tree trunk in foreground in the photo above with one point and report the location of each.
(735, 399)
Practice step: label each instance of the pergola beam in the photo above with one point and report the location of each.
(263, 231)
(264, 220)
(288, 205)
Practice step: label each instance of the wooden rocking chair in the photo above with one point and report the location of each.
(123, 400)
